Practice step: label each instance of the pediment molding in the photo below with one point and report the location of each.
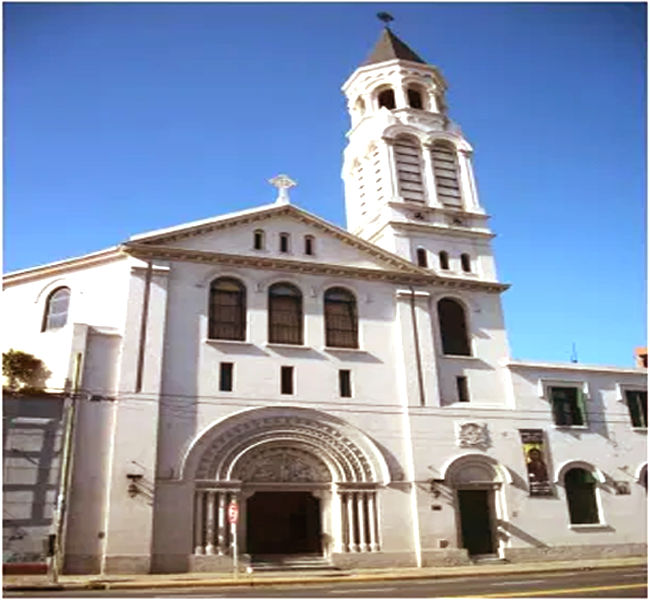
(414, 276)
(268, 213)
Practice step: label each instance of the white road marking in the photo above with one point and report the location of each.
(634, 574)
(526, 581)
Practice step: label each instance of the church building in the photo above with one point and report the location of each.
(267, 384)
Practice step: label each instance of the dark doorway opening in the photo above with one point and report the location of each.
(475, 508)
(283, 523)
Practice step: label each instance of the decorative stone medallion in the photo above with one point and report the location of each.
(471, 435)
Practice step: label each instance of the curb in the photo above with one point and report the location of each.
(251, 581)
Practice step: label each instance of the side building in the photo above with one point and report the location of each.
(352, 391)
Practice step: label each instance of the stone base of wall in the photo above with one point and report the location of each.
(205, 563)
(574, 552)
(372, 560)
(82, 564)
(449, 557)
(128, 563)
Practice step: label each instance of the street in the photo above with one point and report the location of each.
(627, 582)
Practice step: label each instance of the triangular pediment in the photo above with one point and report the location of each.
(234, 234)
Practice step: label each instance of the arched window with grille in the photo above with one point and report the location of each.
(55, 314)
(445, 170)
(408, 164)
(453, 328)
(580, 486)
(227, 314)
(285, 314)
(341, 321)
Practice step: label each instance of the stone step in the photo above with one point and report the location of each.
(290, 562)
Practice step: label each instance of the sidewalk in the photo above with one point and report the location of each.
(186, 580)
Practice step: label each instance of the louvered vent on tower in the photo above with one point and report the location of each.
(445, 169)
(408, 163)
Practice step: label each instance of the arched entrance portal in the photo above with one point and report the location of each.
(305, 482)
(283, 523)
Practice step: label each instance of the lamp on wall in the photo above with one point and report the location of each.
(134, 479)
(435, 487)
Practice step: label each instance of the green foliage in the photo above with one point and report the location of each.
(23, 370)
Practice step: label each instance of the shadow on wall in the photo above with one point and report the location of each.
(514, 531)
(32, 428)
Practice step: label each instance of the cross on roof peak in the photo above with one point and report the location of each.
(284, 183)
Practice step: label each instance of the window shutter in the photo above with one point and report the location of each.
(408, 164)
(445, 170)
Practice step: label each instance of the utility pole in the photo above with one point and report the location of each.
(56, 539)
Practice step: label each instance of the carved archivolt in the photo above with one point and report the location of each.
(281, 465)
(284, 444)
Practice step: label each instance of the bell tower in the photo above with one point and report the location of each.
(409, 185)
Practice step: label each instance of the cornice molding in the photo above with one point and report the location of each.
(455, 231)
(72, 264)
(416, 277)
(288, 210)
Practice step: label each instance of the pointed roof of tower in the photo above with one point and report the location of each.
(390, 47)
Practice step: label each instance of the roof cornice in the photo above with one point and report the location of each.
(418, 276)
(270, 211)
(56, 268)
(574, 367)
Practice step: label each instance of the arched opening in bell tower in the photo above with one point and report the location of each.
(387, 99)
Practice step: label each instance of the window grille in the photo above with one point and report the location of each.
(285, 314)
(227, 314)
(56, 309)
(341, 321)
(453, 328)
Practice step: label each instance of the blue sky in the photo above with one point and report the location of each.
(124, 118)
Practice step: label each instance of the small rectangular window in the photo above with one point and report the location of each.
(568, 407)
(637, 404)
(225, 376)
(258, 240)
(284, 242)
(463, 390)
(345, 383)
(422, 257)
(309, 245)
(286, 384)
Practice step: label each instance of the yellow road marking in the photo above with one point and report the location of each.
(528, 593)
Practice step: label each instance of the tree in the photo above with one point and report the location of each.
(24, 370)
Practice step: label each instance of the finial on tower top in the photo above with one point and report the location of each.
(385, 18)
(283, 183)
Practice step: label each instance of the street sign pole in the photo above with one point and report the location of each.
(233, 517)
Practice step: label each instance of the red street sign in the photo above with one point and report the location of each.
(233, 513)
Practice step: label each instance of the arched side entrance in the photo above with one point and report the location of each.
(305, 482)
(477, 482)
